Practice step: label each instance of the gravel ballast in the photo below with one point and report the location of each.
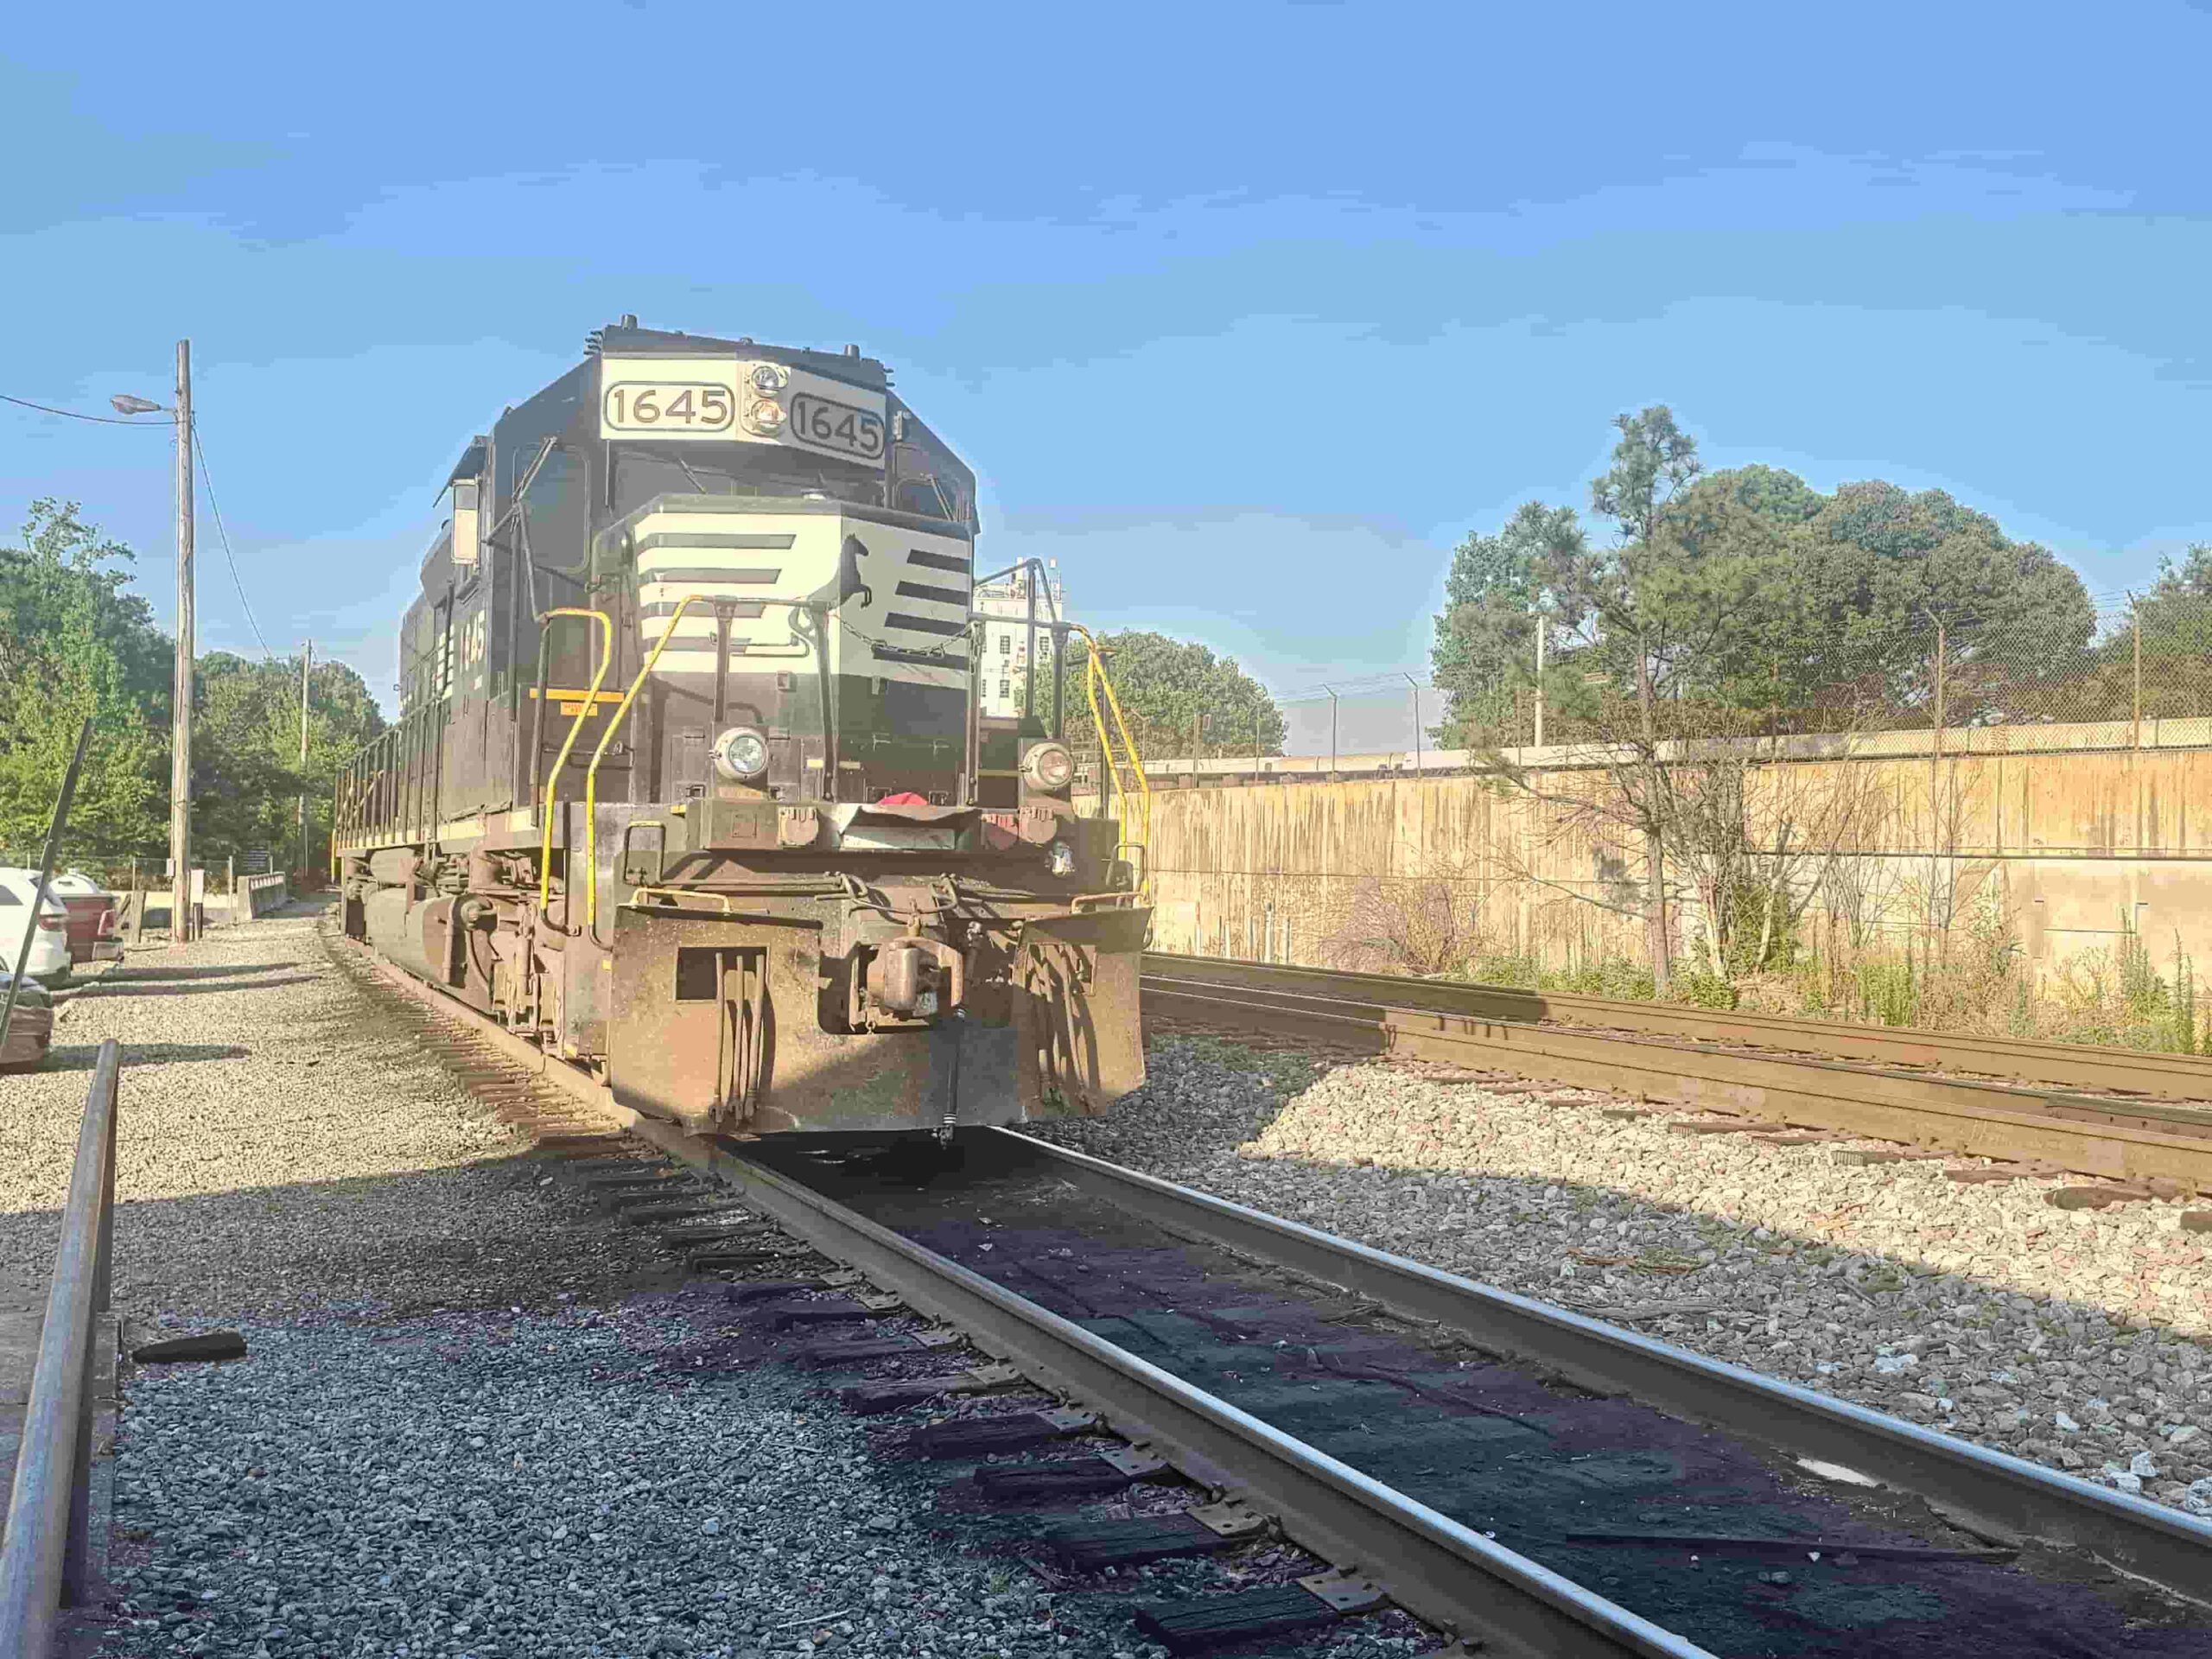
(477, 1417)
(283, 1145)
(2078, 1339)
(578, 1482)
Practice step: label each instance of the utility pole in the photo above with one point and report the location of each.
(1415, 684)
(1332, 732)
(306, 662)
(180, 693)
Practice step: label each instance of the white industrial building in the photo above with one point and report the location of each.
(1006, 662)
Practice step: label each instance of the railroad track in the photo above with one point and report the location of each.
(2116, 1113)
(1575, 1490)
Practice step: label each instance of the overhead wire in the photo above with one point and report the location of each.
(206, 477)
(223, 535)
(101, 420)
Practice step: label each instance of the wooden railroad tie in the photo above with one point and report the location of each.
(871, 1398)
(983, 1437)
(853, 1351)
(1201, 1622)
(1093, 1546)
(1103, 1471)
(1719, 1126)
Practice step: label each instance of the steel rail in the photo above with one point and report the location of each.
(1991, 1493)
(2121, 1139)
(1434, 1567)
(45, 1561)
(2183, 1077)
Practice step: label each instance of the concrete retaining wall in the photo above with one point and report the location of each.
(2069, 843)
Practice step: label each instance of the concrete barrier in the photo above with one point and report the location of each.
(257, 895)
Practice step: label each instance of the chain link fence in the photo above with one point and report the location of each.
(2125, 665)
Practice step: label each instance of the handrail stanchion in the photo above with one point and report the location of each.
(591, 772)
(1096, 676)
(45, 1560)
(553, 779)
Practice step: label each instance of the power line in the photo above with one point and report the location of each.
(48, 409)
(206, 476)
(223, 535)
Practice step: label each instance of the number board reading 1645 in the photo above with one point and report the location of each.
(823, 424)
(696, 409)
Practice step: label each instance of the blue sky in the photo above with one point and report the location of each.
(1245, 313)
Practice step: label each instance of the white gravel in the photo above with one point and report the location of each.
(2080, 1338)
(460, 1429)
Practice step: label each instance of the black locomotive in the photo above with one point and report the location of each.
(691, 783)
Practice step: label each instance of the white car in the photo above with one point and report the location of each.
(46, 921)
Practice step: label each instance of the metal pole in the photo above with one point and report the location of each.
(181, 692)
(1029, 643)
(36, 1562)
(2135, 626)
(1540, 632)
(1333, 731)
(306, 662)
(1412, 682)
(53, 829)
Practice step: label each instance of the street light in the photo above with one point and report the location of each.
(125, 403)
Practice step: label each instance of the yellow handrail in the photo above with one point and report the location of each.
(1094, 678)
(591, 772)
(583, 713)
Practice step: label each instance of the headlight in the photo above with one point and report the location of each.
(740, 753)
(1060, 858)
(769, 378)
(1049, 766)
(765, 418)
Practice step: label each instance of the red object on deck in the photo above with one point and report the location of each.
(904, 798)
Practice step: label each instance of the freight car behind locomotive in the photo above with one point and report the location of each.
(691, 784)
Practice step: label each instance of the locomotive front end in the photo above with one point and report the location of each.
(694, 785)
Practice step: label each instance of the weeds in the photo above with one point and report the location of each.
(1287, 1074)
(1974, 976)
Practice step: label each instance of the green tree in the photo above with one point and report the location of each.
(75, 643)
(2172, 624)
(1887, 570)
(1629, 594)
(1164, 685)
(247, 778)
(1483, 659)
